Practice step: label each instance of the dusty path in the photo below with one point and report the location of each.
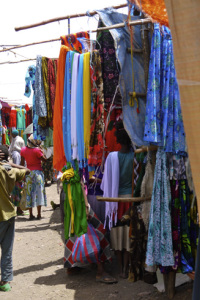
(39, 272)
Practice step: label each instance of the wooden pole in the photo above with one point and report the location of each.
(92, 13)
(128, 199)
(119, 25)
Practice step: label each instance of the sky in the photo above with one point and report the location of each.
(20, 13)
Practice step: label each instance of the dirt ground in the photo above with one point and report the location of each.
(39, 273)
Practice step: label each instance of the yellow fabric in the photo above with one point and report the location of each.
(67, 174)
(184, 21)
(86, 101)
(7, 183)
(71, 206)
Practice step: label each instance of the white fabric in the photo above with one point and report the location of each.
(16, 145)
(110, 186)
(16, 157)
(48, 152)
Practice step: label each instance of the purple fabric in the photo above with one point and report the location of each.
(110, 186)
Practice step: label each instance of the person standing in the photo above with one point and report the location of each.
(16, 145)
(35, 191)
(8, 176)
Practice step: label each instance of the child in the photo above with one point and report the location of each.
(9, 174)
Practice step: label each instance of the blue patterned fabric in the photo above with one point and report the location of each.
(40, 100)
(163, 121)
(159, 245)
(30, 83)
(66, 121)
(35, 191)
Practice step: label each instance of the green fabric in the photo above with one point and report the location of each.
(7, 138)
(80, 218)
(7, 183)
(49, 139)
(126, 171)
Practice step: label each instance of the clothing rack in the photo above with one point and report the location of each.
(128, 199)
(116, 26)
(87, 14)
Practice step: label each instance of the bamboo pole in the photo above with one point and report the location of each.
(92, 13)
(119, 25)
(128, 199)
(15, 62)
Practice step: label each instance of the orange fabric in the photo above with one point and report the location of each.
(59, 159)
(156, 9)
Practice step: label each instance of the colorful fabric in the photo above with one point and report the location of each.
(138, 241)
(51, 77)
(79, 111)
(110, 67)
(77, 208)
(163, 122)
(66, 117)
(187, 260)
(159, 245)
(74, 128)
(97, 119)
(105, 254)
(72, 41)
(59, 159)
(30, 83)
(13, 118)
(87, 247)
(40, 101)
(177, 166)
(21, 119)
(16, 193)
(35, 190)
(47, 168)
(86, 102)
(32, 157)
(45, 121)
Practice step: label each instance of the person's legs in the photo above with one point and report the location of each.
(39, 212)
(7, 230)
(31, 216)
(103, 276)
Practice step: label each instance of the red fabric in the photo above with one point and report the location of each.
(13, 118)
(122, 208)
(32, 157)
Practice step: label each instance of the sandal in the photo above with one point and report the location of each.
(39, 217)
(32, 218)
(5, 288)
(106, 279)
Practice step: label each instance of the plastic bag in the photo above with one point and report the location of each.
(86, 248)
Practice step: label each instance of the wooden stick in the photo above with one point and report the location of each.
(120, 25)
(15, 62)
(92, 13)
(129, 199)
(146, 149)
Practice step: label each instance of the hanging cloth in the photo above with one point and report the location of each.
(71, 40)
(66, 120)
(163, 122)
(86, 102)
(40, 101)
(79, 110)
(110, 187)
(159, 245)
(74, 106)
(97, 120)
(78, 215)
(59, 159)
(51, 77)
